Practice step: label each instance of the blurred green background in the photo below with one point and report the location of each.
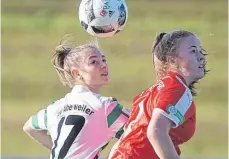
(32, 29)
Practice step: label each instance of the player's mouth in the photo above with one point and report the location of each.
(202, 66)
(104, 74)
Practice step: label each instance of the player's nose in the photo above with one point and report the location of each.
(104, 65)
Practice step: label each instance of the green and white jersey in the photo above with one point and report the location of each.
(81, 123)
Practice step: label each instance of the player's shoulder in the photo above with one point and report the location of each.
(174, 88)
(106, 101)
(83, 95)
(56, 103)
(172, 81)
(95, 100)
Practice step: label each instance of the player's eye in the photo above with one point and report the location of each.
(104, 60)
(194, 51)
(94, 62)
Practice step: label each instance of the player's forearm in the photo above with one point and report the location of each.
(42, 138)
(163, 145)
(39, 135)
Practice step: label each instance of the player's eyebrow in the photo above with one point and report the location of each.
(192, 47)
(96, 57)
(92, 57)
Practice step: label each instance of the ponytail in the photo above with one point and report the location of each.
(155, 44)
(58, 61)
(157, 40)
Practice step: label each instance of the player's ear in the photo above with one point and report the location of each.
(75, 72)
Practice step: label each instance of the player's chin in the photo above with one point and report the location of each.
(104, 82)
(105, 79)
(199, 75)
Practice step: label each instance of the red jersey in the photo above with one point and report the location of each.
(174, 99)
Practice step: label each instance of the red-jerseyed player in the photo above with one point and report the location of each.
(164, 115)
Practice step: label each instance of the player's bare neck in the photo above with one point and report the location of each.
(187, 79)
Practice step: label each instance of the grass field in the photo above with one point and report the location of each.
(31, 30)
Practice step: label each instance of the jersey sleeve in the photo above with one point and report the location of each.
(39, 120)
(174, 102)
(117, 116)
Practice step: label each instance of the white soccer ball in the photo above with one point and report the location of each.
(103, 18)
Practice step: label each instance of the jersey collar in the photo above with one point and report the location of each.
(80, 88)
(175, 74)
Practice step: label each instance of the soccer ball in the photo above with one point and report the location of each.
(103, 18)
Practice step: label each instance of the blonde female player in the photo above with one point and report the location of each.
(83, 121)
(164, 116)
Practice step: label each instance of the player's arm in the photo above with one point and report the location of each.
(36, 128)
(158, 135)
(117, 116)
(169, 111)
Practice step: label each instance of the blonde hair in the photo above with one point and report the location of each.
(165, 47)
(67, 56)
